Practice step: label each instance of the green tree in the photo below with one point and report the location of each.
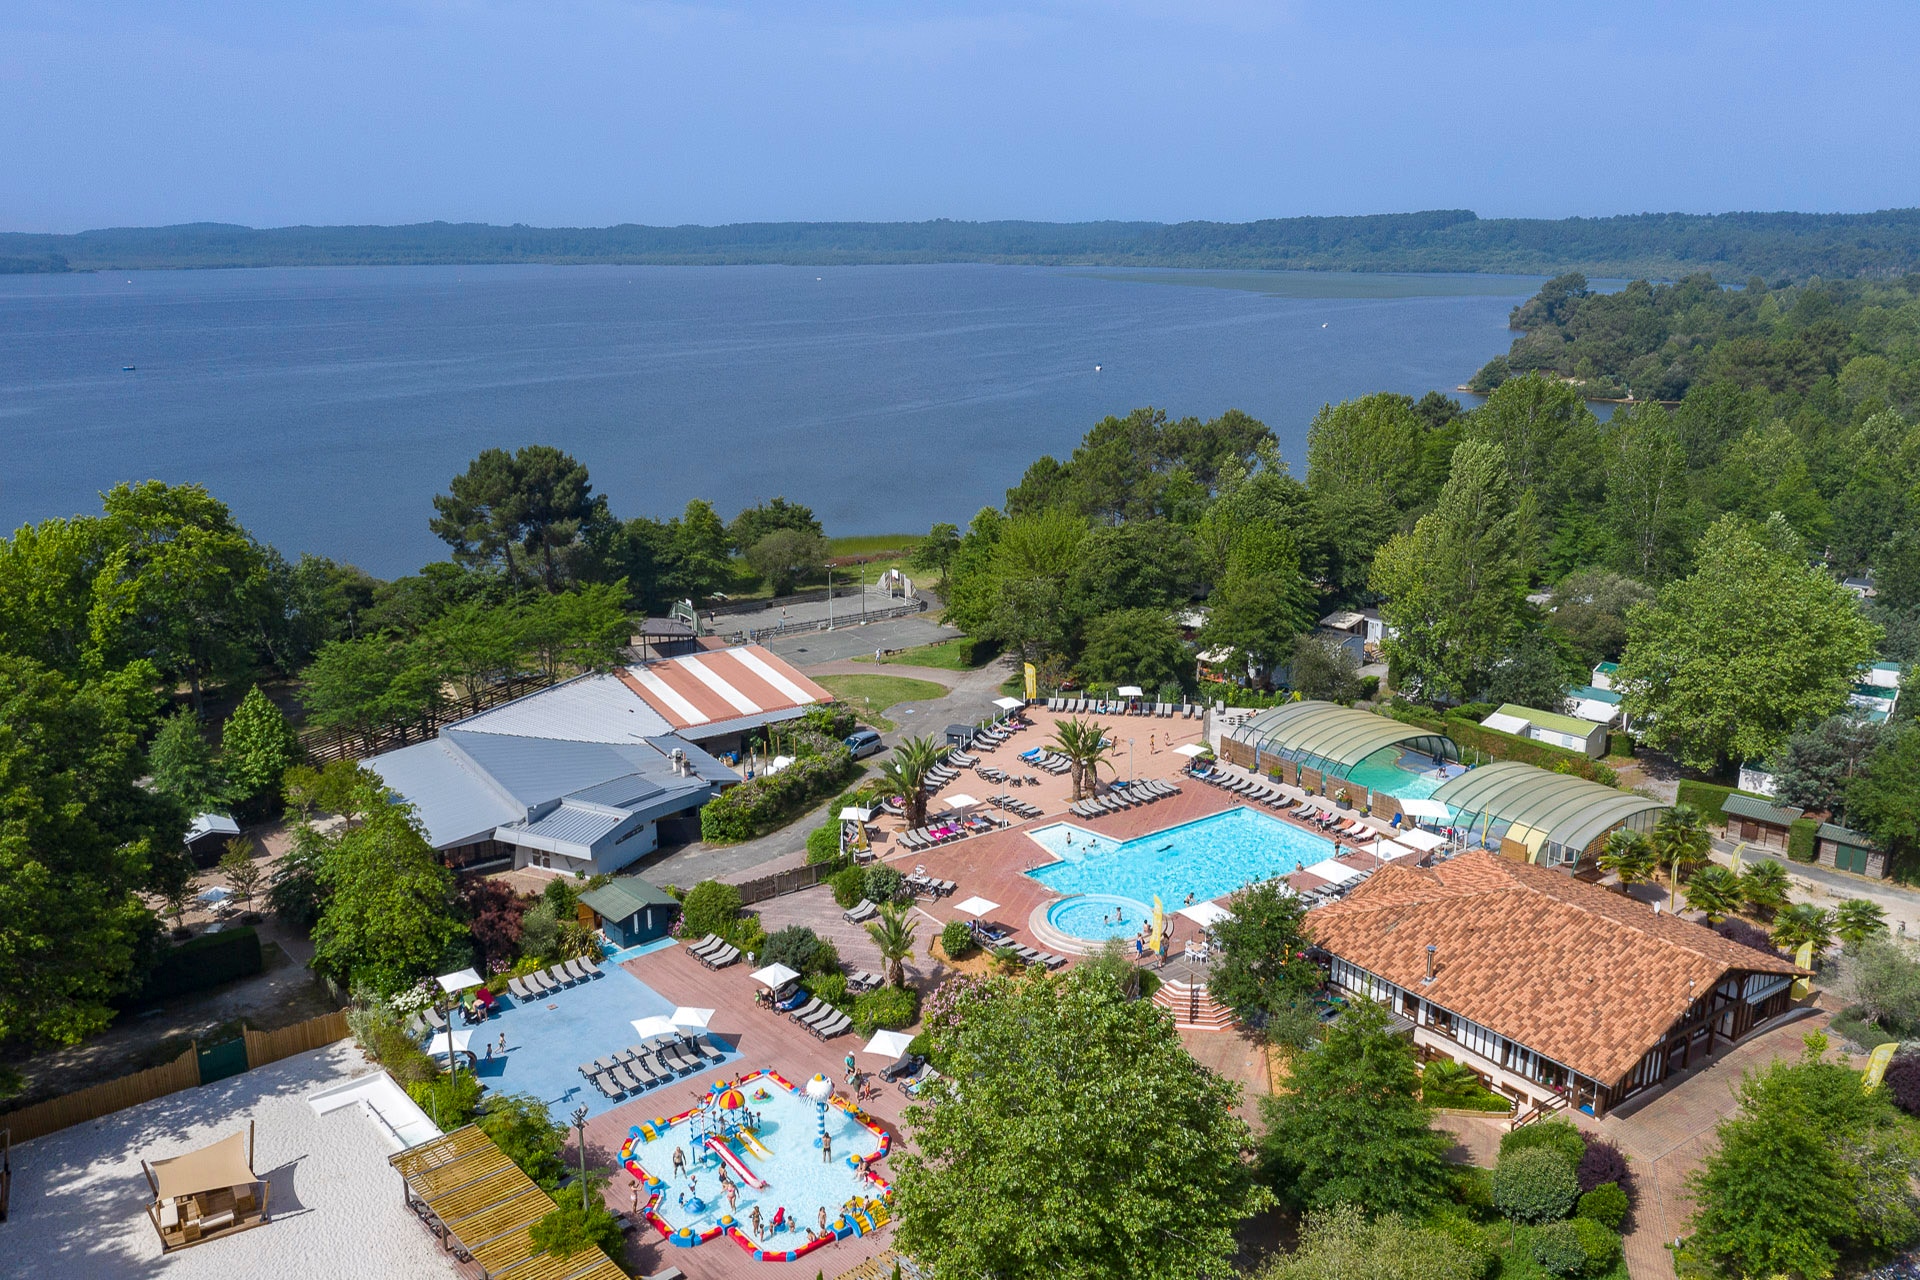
(1535, 1185)
(1590, 609)
(1262, 602)
(1323, 670)
(1455, 587)
(363, 685)
(1883, 982)
(786, 555)
(583, 630)
(755, 523)
(477, 644)
(893, 934)
(79, 837)
(183, 764)
(1352, 1129)
(1681, 843)
(1714, 891)
(1814, 767)
(1630, 855)
(573, 1228)
(1084, 744)
(523, 1129)
(1262, 965)
(933, 553)
(1026, 599)
(1804, 923)
(1148, 564)
(240, 871)
(1764, 887)
(1858, 919)
(1646, 490)
(1066, 1120)
(1136, 646)
(257, 746)
(1373, 446)
(1811, 1166)
(531, 513)
(1548, 440)
(47, 574)
(906, 773)
(1532, 673)
(697, 564)
(388, 918)
(1729, 660)
(1881, 800)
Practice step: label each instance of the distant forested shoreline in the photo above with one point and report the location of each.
(1731, 246)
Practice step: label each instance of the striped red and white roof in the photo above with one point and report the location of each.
(719, 685)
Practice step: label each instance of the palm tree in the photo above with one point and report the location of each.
(1856, 920)
(1764, 886)
(1715, 891)
(1803, 922)
(1084, 743)
(893, 934)
(1629, 855)
(1681, 843)
(907, 773)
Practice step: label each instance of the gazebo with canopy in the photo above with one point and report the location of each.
(207, 1193)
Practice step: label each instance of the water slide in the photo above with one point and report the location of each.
(734, 1163)
(751, 1141)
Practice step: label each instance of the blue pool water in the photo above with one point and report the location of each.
(797, 1179)
(1210, 857)
(1099, 916)
(1408, 775)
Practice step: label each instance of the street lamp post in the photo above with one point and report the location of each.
(580, 1128)
(829, 597)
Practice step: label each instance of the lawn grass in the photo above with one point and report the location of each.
(866, 544)
(869, 696)
(962, 653)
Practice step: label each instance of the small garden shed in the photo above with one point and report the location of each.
(1845, 850)
(630, 911)
(1754, 820)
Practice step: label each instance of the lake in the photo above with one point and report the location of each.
(327, 406)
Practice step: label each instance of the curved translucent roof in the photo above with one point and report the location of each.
(1340, 736)
(1540, 806)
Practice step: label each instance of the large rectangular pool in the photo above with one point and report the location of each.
(1210, 857)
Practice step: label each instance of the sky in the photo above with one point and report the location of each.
(592, 112)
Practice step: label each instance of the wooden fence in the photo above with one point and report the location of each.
(55, 1114)
(781, 882)
(315, 1033)
(322, 746)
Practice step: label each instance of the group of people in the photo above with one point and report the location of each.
(762, 1225)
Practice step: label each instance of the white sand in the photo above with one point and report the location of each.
(79, 1195)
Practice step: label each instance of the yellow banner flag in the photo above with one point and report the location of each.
(1802, 987)
(1033, 681)
(1877, 1064)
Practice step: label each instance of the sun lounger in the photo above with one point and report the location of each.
(862, 910)
(706, 1049)
(838, 1025)
(643, 1071)
(680, 1060)
(577, 970)
(724, 958)
(535, 986)
(826, 1013)
(612, 1088)
(435, 1018)
(810, 1010)
(518, 989)
(711, 942)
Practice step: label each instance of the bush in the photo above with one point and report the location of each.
(1800, 839)
(889, 1007)
(1620, 745)
(449, 1101)
(1369, 688)
(387, 1043)
(1473, 1189)
(831, 987)
(1903, 1082)
(204, 961)
(823, 844)
(572, 1229)
(1581, 1247)
(883, 884)
(752, 808)
(1707, 797)
(711, 907)
(1747, 935)
(849, 885)
(794, 947)
(957, 940)
(1606, 1204)
(1535, 1185)
(1601, 1163)
(826, 959)
(1561, 1135)
(524, 1130)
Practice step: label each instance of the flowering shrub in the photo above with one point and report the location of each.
(745, 811)
(412, 999)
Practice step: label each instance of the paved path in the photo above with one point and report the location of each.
(811, 648)
(1826, 887)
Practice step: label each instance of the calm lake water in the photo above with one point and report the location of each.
(328, 406)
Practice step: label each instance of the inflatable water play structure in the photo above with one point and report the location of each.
(720, 1120)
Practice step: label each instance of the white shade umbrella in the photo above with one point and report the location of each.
(648, 1028)
(1190, 749)
(217, 894)
(977, 907)
(774, 976)
(1009, 704)
(854, 813)
(459, 981)
(1205, 914)
(695, 1018)
(1131, 691)
(960, 801)
(1425, 809)
(455, 1039)
(1425, 841)
(889, 1044)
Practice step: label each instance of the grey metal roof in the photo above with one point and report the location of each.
(590, 708)
(455, 801)
(535, 770)
(624, 896)
(1841, 835)
(1342, 736)
(1760, 810)
(574, 824)
(721, 728)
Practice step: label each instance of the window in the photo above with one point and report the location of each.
(1477, 1038)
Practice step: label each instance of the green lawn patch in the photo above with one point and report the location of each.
(870, 696)
(962, 653)
(866, 544)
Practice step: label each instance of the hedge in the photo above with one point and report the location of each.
(1708, 797)
(887, 1008)
(1801, 835)
(1506, 746)
(1620, 744)
(204, 961)
(772, 800)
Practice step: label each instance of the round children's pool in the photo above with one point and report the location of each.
(1098, 916)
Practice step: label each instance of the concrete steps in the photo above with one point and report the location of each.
(1192, 1006)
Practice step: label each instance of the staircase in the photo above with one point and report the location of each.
(1192, 1006)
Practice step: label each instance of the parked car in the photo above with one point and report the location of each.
(863, 742)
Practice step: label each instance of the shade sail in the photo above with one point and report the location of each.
(854, 813)
(1009, 704)
(455, 1039)
(960, 800)
(1205, 914)
(888, 1044)
(1191, 749)
(774, 976)
(648, 1028)
(215, 1167)
(1425, 841)
(219, 893)
(459, 981)
(1420, 808)
(1131, 691)
(1336, 872)
(977, 907)
(698, 1018)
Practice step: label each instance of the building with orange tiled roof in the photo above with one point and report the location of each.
(1553, 989)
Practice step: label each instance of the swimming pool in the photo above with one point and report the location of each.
(1099, 916)
(1209, 857)
(1407, 775)
(772, 1137)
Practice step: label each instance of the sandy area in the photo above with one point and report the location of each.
(79, 1195)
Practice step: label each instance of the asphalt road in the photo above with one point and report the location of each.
(815, 647)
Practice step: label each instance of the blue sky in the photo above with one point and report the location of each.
(588, 112)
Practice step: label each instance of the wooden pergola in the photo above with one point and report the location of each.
(482, 1208)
